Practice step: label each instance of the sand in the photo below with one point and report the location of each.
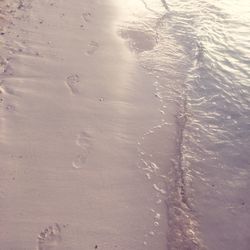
(75, 110)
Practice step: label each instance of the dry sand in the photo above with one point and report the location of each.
(75, 107)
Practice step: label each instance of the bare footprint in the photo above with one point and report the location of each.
(72, 81)
(79, 161)
(5, 67)
(83, 140)
(5, 89)
(10, 108)
(50, 238)
(1, 88)
(2, 65)
(92, 47)
(86, 16)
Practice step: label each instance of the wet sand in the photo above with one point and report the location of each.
(77, 114)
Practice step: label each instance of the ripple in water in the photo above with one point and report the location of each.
(199, 51)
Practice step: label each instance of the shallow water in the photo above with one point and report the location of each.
(199, 50)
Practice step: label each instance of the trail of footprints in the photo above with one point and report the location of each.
(73, 80)
(50, 237)
(83, 139)
(92, 45)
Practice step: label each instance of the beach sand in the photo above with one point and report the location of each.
(77, 114)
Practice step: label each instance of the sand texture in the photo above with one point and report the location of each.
(76, 118)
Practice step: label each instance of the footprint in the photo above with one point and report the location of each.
(79, 161)
(10, 108)
(50, 238)
(72, 81)
(1, 89)
(23, 5)
(83, 140)
(4, 66)
(92, 47)
(6, 89)
(20, 5)
(86, 16)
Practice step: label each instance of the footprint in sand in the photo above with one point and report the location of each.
(5, 67)
(72, 81)
(86, 16)
(79, 161)
(3, 63)
(10, 108)
(4, 88)
(1, 88)
(83, 140)
(92, 47)
(50, 238)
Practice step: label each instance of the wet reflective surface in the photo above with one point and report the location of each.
(199, 50)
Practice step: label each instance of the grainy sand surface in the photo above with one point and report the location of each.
(74, 105)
